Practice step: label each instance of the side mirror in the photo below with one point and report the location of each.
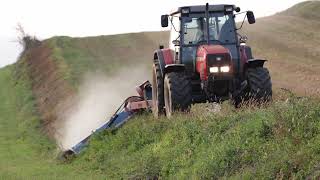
(164, 21)
(176, 42)
(237, 9)
(251, 18)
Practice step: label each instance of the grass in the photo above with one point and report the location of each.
(107, 54)
(25, 153)
(307, 9)
(280, 141)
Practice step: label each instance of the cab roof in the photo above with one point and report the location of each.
(202, 8)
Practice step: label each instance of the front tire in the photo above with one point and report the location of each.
(259, 85)
(258, 90)
(177, 93)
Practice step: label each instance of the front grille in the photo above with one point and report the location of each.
(213, 60)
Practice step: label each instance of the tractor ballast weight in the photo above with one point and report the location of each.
(209, 59)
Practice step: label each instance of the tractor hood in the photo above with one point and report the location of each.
(204, 50)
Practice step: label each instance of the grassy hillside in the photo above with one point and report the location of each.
(307, 10)
(278, 141)
(34, 87)
(25, 152)
(290, 41)
(58, 66)
(105, 53)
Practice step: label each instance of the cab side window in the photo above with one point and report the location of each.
(175, 29)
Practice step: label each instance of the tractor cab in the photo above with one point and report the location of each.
(195, 26)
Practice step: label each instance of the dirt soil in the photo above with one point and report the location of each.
(49, 87)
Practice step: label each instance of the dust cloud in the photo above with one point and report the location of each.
(98, 98)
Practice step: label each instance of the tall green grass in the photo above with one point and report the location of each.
(279, 141)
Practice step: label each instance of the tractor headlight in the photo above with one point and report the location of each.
(225, 69)
(214, 69)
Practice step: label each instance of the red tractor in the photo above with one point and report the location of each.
(207, 61)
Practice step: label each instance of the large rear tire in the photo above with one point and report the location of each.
(157, 90)
(259, 85)
(177, 93)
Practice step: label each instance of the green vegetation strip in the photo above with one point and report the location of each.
(280, 141)
(25, 153)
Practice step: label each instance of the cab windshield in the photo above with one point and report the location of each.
(221, 29)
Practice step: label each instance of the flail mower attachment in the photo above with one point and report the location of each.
(127, 110)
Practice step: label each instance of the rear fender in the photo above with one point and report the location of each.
(254, 63)
(174, 68)
(165, 57)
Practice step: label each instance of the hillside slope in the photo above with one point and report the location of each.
(58, 66)
(35, 90)
(25, 153)
(307, 10)
(291, 42)
(279, 141)
(105, 53)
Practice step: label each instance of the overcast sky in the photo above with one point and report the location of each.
(45, 18)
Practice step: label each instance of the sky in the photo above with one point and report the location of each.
(44, 18)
